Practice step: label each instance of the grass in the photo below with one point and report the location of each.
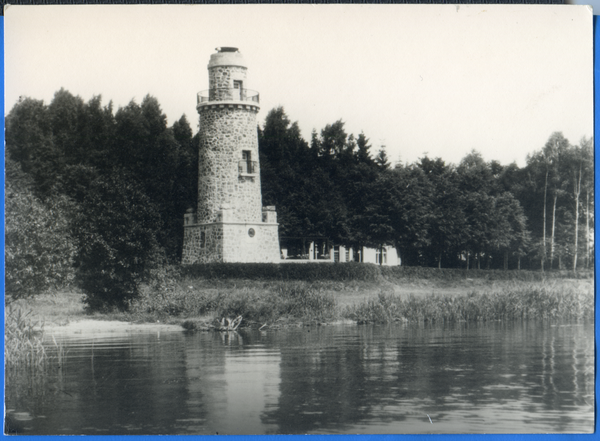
(258, 303)
(23, 347)
(519, 301)
(58, 307)
(200, 297)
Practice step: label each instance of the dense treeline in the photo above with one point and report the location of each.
(122, 181)
(476, 214)
(98, 196)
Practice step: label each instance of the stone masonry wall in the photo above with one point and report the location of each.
(228, 225)
(220, 81)
(198, 249)
(224, 134)
(231, 243)
(260, 246)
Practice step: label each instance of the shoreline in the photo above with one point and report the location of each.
(62, 313)
(94, 326)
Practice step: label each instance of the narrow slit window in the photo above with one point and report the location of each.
(247, 161)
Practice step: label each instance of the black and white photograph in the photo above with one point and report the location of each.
(299, 219)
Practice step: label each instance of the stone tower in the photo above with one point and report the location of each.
(229, 224)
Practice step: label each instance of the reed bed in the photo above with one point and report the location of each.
(530, 301)
(23, 347)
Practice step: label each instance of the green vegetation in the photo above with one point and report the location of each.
(409, 273)
(38, 248)
(273, 296)
(352, 271)
(277, 295)
(475, 214)
(258, 304)
(23, 348)
(528, 301)
(307, 272)
(96, 197)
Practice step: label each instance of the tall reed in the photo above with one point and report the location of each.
(519, 302)
(23, 347)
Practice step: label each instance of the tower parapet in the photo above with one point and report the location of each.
(230, 224)
(227, 71)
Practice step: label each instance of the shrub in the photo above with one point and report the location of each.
(307, 272)
(115, 229)
(413, 273)
(258, 304)
(175, 301)
(38, 249)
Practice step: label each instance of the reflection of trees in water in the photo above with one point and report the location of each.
(387, 374)
(115, 387)
(528, 376)
(566, 370)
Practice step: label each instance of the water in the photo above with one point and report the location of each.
(484, 378)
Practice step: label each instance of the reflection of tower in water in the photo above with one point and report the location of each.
(234, 385)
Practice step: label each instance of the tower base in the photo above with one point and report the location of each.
(231, 242)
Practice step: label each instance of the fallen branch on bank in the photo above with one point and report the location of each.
(227, 324)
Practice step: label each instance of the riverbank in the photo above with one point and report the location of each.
(205, 303)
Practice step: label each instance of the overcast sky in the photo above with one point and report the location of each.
(435, 79)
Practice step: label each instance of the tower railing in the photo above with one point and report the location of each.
(228, 94)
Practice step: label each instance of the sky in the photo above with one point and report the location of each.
(435, 80)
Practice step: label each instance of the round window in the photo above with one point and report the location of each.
(251, 232)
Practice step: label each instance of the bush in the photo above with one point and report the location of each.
(307, 272)
(261, 304)
(353, 271)
(413, 273)
(38, 249)
(285, 300)
(115, 229)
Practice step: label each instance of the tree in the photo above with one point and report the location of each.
(67, 114)
(186, 176)
(29, 142)
(371, 217)
(152, 157)
(333, 140)
(447, 220)
(363, 153)
(382, 159)
(405, 195)
(509, 228)
(579, 165)
(554, 150)
(38, 247)
(98, 134)
(544, 167)
(115, 230)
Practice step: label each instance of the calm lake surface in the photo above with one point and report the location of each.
(476, 378)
